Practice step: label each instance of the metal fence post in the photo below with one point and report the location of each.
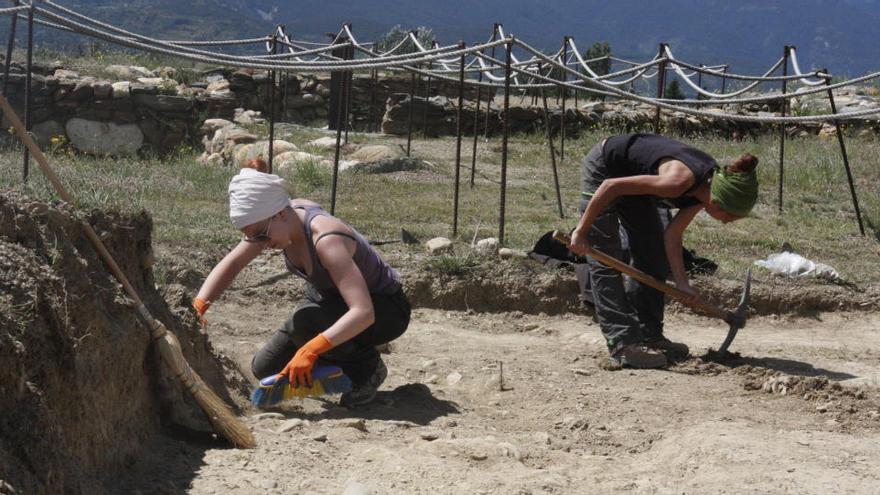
(27, 88)
(661, 85)
(564, 95)
(782, 126)
(272, 104)
(552, 150)
(505, 132)
(849, 177)
(458, 131)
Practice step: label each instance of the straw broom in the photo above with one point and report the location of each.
(225, 423)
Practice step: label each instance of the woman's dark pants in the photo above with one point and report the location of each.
(632, 312)
(357, 357)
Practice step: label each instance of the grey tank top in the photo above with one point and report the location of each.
(380, 277)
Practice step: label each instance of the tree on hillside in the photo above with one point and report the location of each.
(673, 91)
(602, 49)
(397, 34)
(600, 67)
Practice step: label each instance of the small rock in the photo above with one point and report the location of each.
(268, 415)
(102, 89)
(372, 153)
(66, 74)
(325, 142)
(507, 253)
(210, 126)
(356, 423)
(439, 245)
(121, 89)
(429, 363)
(431, 379)
(320, 437)
(290, 425)
(453, 378)
(150, 81)
(478, 456)
(429, 435)
(355, 488)
(487, 246)
(582, 372)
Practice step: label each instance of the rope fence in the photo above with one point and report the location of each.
(524, 68)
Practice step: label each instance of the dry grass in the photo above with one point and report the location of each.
(188, 200)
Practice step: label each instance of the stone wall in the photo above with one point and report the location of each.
(132, 109)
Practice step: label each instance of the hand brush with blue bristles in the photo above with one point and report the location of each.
(276, 388)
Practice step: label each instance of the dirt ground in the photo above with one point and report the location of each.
(797, 411)
(498, 401)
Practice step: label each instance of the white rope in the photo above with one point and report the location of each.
(257, 62)
(702, 91)
(282, 38)
(730, 75)
(133, 37)
(389, 51)
(701, 113)
(792, 53)
(513, 58)
(583, 63)
(12, 10)
(405, 62)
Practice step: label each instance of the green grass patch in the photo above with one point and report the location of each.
(189, 205)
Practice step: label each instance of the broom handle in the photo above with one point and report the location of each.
(217, 411)
(641, 277)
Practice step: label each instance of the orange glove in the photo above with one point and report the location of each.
(299, 369)
(201, 306)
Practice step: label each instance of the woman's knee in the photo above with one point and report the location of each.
(306, 322)
(261, 366)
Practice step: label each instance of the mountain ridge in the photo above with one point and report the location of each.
(749, 35)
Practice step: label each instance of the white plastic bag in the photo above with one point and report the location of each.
(795, 265)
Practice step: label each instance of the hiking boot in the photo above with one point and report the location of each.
(364, 393)
(672, 350)
(639, 356)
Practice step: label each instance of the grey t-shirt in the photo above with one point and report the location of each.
(640, 154)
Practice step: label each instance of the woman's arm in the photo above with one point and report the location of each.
(673, 242)
(224, 273)
(672, 180)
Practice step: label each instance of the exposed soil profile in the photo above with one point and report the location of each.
(81, 391)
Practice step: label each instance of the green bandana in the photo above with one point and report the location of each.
(735, 192)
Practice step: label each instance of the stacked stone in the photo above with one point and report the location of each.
(129, 109)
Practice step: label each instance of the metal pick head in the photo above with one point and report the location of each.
(743, 306)
(737, 319)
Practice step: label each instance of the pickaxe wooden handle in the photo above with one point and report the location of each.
(648, 280)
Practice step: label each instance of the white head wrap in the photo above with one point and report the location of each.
(255, 196)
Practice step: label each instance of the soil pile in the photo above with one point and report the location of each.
(82, 391)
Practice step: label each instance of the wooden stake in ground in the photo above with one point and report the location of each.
(223, 420)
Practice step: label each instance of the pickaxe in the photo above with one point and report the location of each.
(736, 318)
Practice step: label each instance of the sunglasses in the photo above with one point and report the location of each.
(260, 237)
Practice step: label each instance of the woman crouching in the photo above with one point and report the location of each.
(354, 299)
